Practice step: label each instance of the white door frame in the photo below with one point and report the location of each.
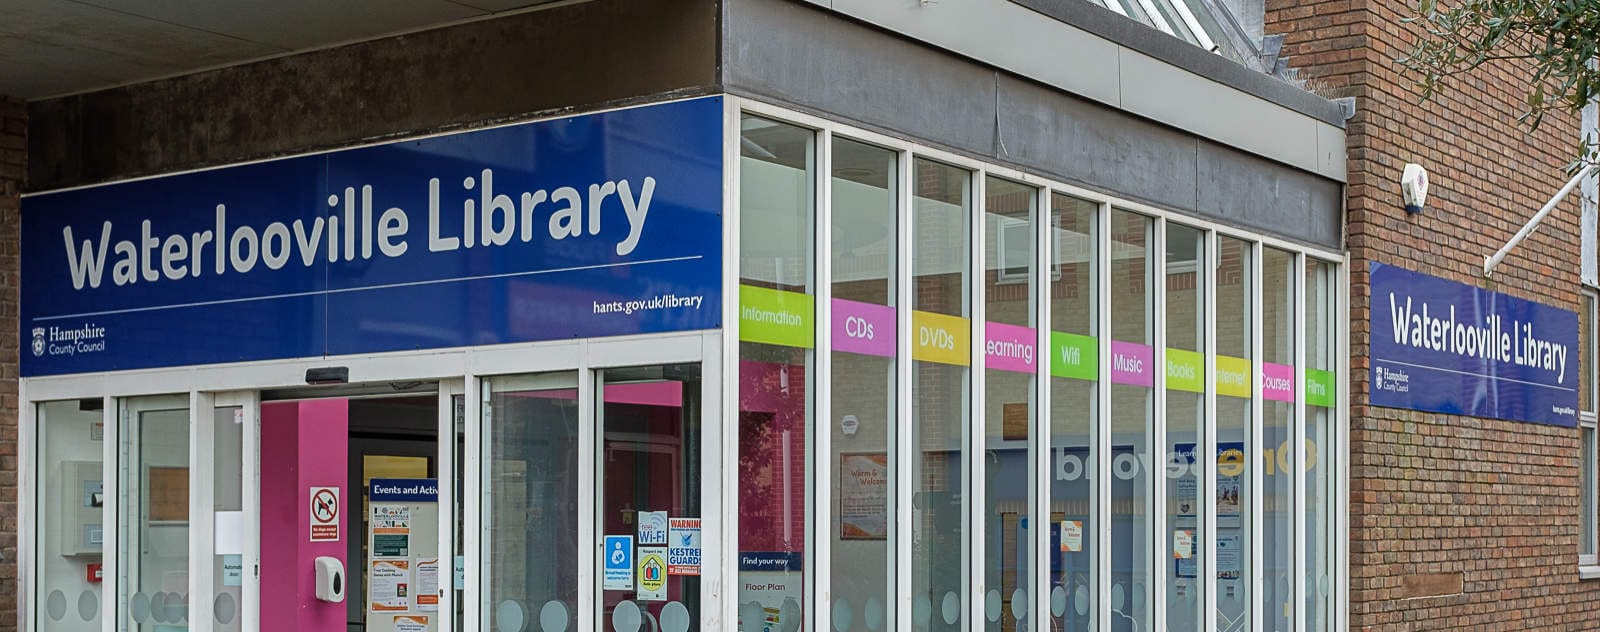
(457, 371)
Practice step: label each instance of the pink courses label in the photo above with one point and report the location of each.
(1130, 364)
(1277, 382)
(1009, 347)
(863, 328)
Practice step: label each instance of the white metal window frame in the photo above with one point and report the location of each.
(819, 549)
(1589, 561)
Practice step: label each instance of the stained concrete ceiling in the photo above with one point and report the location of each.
(56, 47)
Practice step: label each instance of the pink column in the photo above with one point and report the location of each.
(303, 445)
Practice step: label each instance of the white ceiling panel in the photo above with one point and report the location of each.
(49, 46)
(297, 24)
(55, 47)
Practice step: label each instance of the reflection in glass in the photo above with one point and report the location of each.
(649, 461)
(1234, 401)
(227, 566)
(1278, 277)
(69, 522)
(1186, 369)
(531, 495)
(940, 384)
(1011, 340)
(1316, 380)
(775, 362)
(863, 384)
(154, 508)
(1074, 374)
(1132, 415)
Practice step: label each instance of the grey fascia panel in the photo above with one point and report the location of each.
(1017, 39)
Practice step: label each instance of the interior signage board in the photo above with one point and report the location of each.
(594, 225)
(1448, 347)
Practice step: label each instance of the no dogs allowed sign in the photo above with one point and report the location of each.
(324, 514)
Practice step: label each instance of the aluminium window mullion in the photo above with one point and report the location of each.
(111, 490)
(1040, 431)
(1101, 452)
(819, 478)
(1252, 544)
(202, 490)
(1155, 502)
(900, 459)
(1206, 454)
(974, 564)
(1297, 449)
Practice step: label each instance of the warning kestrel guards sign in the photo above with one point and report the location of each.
(324, 514)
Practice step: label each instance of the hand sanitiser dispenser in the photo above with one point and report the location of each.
(330, 579)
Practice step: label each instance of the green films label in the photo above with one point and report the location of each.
(1319, 388)
(775, 317)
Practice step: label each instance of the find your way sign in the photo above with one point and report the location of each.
(1448, 347)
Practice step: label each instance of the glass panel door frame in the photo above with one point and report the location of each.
(202, 392)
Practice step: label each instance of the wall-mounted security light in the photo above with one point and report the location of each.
(1414, 187)
(328, 375)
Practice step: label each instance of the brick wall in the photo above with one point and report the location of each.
(1481, 514)
(13, 152)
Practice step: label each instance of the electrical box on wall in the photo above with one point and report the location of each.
(81, 495)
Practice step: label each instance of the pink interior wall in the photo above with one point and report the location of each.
(769, 520)
(303, 445)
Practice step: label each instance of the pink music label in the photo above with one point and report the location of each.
(1277, 382)
(1010, 347)
(1132, 364)
(864, 328)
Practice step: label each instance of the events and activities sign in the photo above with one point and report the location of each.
(594, 225)
(1448, 347)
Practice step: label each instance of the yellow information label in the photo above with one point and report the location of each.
(940, 338)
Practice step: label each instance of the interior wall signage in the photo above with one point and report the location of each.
(594, 225)
(1448, 347)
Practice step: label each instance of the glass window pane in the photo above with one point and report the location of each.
(1234, 400)
(940, 388)
(1278, 277)
(154, 522)
(70, 534)
(776, 174)
(863, 384)
(1586, 505)
(1586, 381)
(1318, 391)
(531, 498)
(1132, 413)
(649, 420)
(1186, 369)
(1074, 374)
(1010, 235)
(227, 566)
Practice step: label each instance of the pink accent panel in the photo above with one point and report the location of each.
(863, 328)
(303, 445)
(1010, 348)
(1277, 382)
(1131, 363)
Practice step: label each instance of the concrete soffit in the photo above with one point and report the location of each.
(1299, 129)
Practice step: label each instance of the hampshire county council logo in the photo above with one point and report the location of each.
(38, 341)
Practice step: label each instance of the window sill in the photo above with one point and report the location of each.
(1589, 572)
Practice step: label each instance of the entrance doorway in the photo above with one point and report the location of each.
(337, 443)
